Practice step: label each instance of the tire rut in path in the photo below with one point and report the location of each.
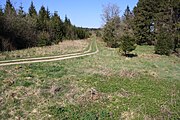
(50, 59)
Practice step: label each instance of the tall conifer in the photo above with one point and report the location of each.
(144, 21)
(32, 10)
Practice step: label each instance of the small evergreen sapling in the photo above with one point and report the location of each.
(127, 44)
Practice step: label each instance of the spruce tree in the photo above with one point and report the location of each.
(9, 8)
(1, 27)
(42, 19)
(128, 19)
(176, 25)
(56, 24)
(47, 14)
(144, 21)
(67, 21)
(127, 43)
(42, 13)
(165, 32)
(32, 10)
(165, 44)
(21, 12)
(68, 29)
(111, 31)
(127, 40)
(127, 14)
(43, 26)
(1, 11)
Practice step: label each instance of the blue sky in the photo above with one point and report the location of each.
(83, 13)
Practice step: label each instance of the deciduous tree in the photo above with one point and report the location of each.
(110, 11)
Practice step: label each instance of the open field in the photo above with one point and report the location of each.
(65, 47)
(101, 86)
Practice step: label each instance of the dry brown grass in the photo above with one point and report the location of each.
(68, 46)
(101, 71)
(128, 73)
(91, 95)
(80, 95)
(150, 56)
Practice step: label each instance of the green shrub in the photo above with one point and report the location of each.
(98, 34)
(127, 44)
(43, 39)
(111, 32)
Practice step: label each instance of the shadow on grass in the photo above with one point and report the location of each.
(130, 55)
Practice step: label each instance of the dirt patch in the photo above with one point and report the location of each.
(8, 82)
(149, 56)
(70, 96)
(21, 93)
(128, 73)
(101, 71)
(165, 111)
(150, 73)
(90, 95)
(54, 89)
(128, 115)
(154, 74)
(77, 95)
(124, 93)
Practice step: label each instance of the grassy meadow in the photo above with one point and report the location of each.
(103, 86)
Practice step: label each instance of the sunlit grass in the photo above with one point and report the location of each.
(102, 86)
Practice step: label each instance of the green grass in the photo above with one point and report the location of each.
(143, 87)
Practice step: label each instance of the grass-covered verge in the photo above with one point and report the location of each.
(62, 48)
(101, 86)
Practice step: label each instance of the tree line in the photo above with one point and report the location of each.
(19, 30)
(151, 22)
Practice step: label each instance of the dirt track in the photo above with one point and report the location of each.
(49, 59)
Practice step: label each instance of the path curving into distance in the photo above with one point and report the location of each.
(52, 58)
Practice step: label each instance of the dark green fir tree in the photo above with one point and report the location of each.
(32, 10)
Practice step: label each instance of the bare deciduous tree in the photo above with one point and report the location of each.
(110, 11)
(111, 19)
